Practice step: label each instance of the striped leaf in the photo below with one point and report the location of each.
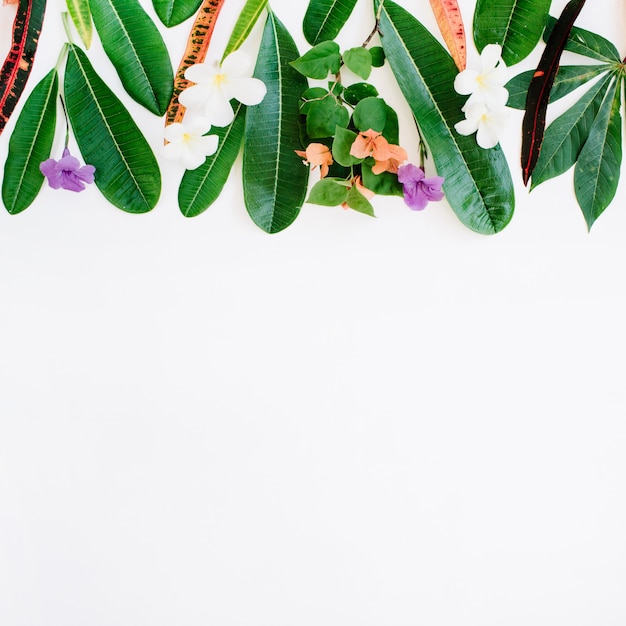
(30, 144)
(450, 22)
(274, 178)
(325, 18)
(126, 171)
(19, 61)
(245, 23)
(478, 182)
(202, 186)
(586, 43)
(135, 47)
(174, 12)
(81, 16)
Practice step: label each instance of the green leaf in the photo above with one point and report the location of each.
(325, 18)
(370, 113)
(384, 184)
(359, 61)
(391, 132)
(126, 171)
(174, 12)
(245, 23)
(515, 24)
(342, 143)
(378, 56)
(568, 78)
(356, 92)
(137, 50)
(567, 134)
(274, 177)
(478, 182)
(323, 116)
(586, 43)
(319, 61)
(310, 96)
(328, 192)
(598, 167)
(81, 16)
(199, 188)
(358, 202)
(30, 144)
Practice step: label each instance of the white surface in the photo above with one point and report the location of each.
(353, 422)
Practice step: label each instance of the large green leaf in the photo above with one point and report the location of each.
(515, 24)
(325, 18)
(586, 43)
(274, 178)
(568, 78)
(245, 23)
(174, 12)
(30, 144)
(127, 172)
(568, 133)
(199, 188)
(478, 182)
(81, 16)
(135, 47)
(598, 167)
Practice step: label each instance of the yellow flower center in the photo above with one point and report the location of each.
(218, 79)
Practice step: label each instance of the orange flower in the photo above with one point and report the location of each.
(372, 144)
(364, 191)
(317, 154)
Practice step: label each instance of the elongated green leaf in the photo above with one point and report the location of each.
(586, 43)
(478, 182)
(137, 50)
(274, 178)
(568, 78)
(30, 144)
(126, 171)
(202, 186)
(515, 24)
(174, 12)
(245, 23)
(325, 18)
(19, 61)
(81, 16)
(568, 133)
(598, 167)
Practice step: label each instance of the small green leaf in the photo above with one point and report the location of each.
(342, 143)
(358, 202)
(567, 134)
(81, 16)
(30, 144)
(384, 184)
(598, 167)
(515, 24)
(245, 23)
(174, 12)
(126, 171)
(378, 56)
(319, 61)
(359, 61)
(137, 50)
(199, 188)
(370, 113)
(586, 43)
(568, 78)
(325, 18)
(328, 192)
(274, 178)
(314, 94)
(359, 91)
(391, 132)
(324, 116)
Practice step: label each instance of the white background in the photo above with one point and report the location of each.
(353, 422)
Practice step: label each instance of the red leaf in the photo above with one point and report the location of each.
(450, 21)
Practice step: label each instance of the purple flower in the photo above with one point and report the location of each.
(67, 172)
(419, 190)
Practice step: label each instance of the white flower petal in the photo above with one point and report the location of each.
(248, 91)
(466, 82)
(466, 127)
(208, 144)
(200, 73)
(490, 57)
(194, 97)
(218, 109)
(173, 151)
(486, 136)
(237, 64)
(197, 125)
(174, 132)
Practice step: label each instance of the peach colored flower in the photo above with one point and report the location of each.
(364, 191)
(372, 144)
(317, 154)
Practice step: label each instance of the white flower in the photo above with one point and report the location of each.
(189, 143)
(487, 123)
(215, 86)
(488, 84)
